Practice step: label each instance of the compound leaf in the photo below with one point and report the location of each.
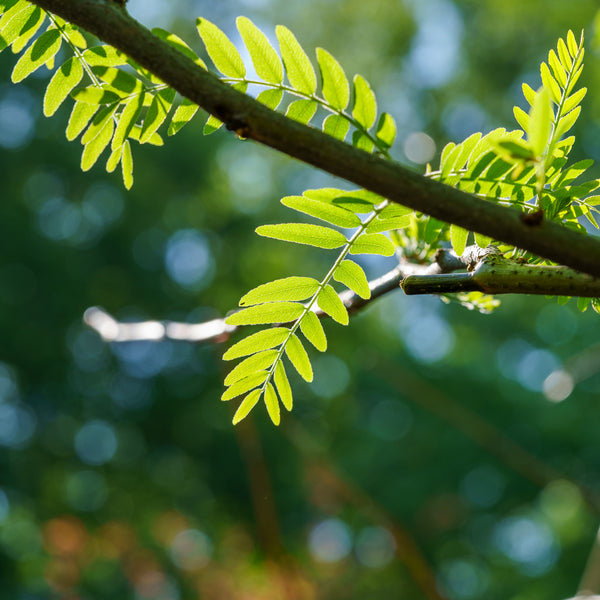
(40, 52)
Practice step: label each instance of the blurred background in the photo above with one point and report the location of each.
(437, 448)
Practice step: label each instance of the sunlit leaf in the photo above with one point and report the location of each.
(211, 125)
(29, 29)
(127, 165)
(283, 385)
(313, 331)
(574, 100)
(330, 303)
(96, 95)
(373, 243)
(299, 358)
(540, 122)
(42, 50)
(93, 150)
(157, 113)
(386, 130)
(179, 44)
(364, 109)
(336, 89)
(322, 210)
(567, 122)
(114, 159)
(256, 362)
(264, 58)
(362, 142)
(62, 83)
(221, 50)
(270, 98)
(336, 126)
(353, 277)
(382, 225)
(298, 67)
(458, 239)
(261, 340)
(272, 404)
(127, 120)
(98, 122)
(14, 22)
(273, 312)
(550, 83)
(301, 233)
(183, 114)
(80, 117)
(301, 110)
(246, 406)
(287, 289)
(244, 385)
(104, 56)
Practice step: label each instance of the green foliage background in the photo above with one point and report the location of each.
(395, 405)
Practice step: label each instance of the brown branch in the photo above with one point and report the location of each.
(250, 119)
(491, 273)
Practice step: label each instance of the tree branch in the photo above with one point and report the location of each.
(111, 23)
(492, 273)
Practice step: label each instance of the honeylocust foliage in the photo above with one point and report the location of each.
(116, 103)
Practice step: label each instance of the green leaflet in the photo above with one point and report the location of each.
(29, 29)
(313, 331)
(157, 113)
(212, 125)
(330, 303)
(273, 312)
(246, 406)
(325, 211)
(94, 149)
(184, 113)
(336, 126)
(365, 105)
(136, 131)
(522, 118)
(40, 52)
(283, 386)
(299, 358)
(483, 241)
(80, 116)
(104, 56)
(362, 142)
(302, 233)
(353, 277)
(13, 22)
(458, 239)
(386, 130)
(301, 110)
(221, 50)
(272, 404)
(124, 83)
(98, 122)
(529, 93)
(127, 165)
(127, 120)
(261, 340)
(540, 122)
(381, 225)
(256, 362)
(270, 98)
(298, 67)
(179, 44)
(244, 385)
(6, 5)
(287, 289)
(550, 84)
(373, 243)
(333, 80)
(114, 159)
(264, 58)
(66, 77)
(394, 211)
(574, 100)
(96, 95)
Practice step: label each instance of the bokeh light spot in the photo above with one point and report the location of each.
(96, 442)
(188, 259)
(419, 148)
(375, 547)
(191, 550)
(330, 541)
